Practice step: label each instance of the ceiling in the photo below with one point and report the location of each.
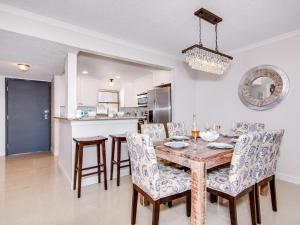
(169, 26)
(103, 68)
(45, 58)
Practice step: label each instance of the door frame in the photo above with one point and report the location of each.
(6, 109)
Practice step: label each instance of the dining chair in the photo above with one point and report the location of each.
(266, 167)
(176, 129)
(246, 127)
(157, 183)
(237, 180)
(156, 131)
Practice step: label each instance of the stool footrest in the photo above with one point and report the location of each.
(122, 161)
(92, 167)
(89, 174)
(124, 166)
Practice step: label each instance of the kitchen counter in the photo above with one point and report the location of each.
(67, 129)
(103, 118)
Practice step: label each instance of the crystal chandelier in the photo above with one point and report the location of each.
(201, 58)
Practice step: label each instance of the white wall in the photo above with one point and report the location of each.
(183, 93)
(2, 115)
(88, 88)
(217, 99)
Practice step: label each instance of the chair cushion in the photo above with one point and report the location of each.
(219, 180)
(173, 181)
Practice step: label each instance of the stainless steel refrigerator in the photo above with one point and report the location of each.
(159, 105)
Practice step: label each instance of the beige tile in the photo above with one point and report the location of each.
(34, 192)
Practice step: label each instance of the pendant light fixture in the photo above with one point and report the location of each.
(111, 82)
(205, 59)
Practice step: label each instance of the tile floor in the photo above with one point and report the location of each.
(34, 192)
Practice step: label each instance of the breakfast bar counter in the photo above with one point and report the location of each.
(68, 129)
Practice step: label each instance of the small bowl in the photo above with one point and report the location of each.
(209, 136)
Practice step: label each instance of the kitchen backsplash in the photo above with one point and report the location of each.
(134, 111)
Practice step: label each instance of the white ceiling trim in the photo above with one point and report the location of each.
(80, 30)
(266, 42)
(16, 23)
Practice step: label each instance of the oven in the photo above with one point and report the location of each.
(142, 100)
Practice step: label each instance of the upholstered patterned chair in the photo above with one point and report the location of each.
(157, 183)
(266, 167)
(176, 129)
(238, 179)
(246, 127)
(156, 131)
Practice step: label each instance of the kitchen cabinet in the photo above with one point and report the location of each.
(161, 78)
(144, 84)
(128, 95)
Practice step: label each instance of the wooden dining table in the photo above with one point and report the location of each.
(199, 158)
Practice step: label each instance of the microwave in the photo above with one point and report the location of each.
(142, 100)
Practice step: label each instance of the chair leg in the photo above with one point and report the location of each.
(129, 165)
(104, 164)
(112, 158)
(134, 206)
(99, 163)
(232, 209)
(273, 194)
(118, 162)
(75, 167)
(80, 152)
(252, 206)
(188, 205)
(170, 204)
(213, 198)
(257, 204)
(155, 213)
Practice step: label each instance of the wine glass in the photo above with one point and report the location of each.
(217, 127)
(233, 127)
(207, 126)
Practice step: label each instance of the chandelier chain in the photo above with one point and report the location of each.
(200, 34)
(216, 30)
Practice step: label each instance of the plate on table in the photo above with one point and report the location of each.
(234, 140)
(218, 145)
(180, 138)
(176, 144)
(230, 135)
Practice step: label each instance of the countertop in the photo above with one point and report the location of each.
(99, 118)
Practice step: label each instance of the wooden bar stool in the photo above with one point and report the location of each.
(119, 138)
(101, 167)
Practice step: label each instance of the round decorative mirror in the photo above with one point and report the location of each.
(263, 87)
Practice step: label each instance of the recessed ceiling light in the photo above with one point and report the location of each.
(85, 72)
(23, 67)
(118, 77)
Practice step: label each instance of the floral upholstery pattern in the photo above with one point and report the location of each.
(156, 180)
(245, 127)
(268, 154)
(156, 131)
(176, 129)
(241, 173)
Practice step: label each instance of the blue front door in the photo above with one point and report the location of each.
(28, 116)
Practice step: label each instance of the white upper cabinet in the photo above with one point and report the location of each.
(128, 95)
(162, 78)
(144, 84)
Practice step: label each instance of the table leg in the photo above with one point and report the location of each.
(198, 171)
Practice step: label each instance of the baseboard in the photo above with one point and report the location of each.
(288, 178)
(61, 168)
